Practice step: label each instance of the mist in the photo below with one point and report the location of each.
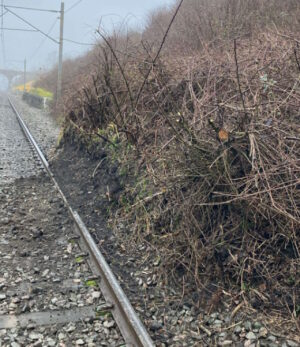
(82, 18)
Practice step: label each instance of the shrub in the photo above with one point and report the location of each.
(210, 134)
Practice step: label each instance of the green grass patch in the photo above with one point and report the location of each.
(103, 313)
(41, 92)
(91, 283)
(79, 260)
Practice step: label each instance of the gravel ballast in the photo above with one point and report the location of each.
(16, 156)
(48, 296)
(43, 127)
(45, 298)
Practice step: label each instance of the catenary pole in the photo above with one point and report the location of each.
(60, 54)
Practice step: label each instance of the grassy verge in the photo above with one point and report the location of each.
(35, 90)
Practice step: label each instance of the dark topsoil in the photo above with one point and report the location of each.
(172, 313)
(86, 190)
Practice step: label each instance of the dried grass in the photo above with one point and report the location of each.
(211, 149)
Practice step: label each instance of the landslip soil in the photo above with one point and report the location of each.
(174, 313)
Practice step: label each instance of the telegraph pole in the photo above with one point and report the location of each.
(60, 54)
(2, 33)
(25, 75)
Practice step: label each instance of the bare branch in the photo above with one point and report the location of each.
(158, 52)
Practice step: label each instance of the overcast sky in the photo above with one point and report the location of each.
(80, 24)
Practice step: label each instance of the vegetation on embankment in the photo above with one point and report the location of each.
(206, 135)
(29, 88)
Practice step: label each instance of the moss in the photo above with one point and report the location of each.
(79, 259)
(41, 92)
(91, 283)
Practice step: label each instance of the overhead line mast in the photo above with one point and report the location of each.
(2, 33)
(60, 54)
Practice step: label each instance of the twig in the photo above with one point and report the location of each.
(119, 65)
(293, 138)
(237, 308)
(239, 83)
(207, 332)
(158, 52)
(92, 134)
(297, 60)
(98, 165)
(285, 36)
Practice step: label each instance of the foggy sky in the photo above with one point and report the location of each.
(80, 25)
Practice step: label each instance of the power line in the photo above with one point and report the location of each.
(32, 9)
(71, 8)
(19, 29)
(79, 43)
(43, 41)
(34, 27)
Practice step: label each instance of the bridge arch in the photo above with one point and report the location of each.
(4, 83)
(10, 75)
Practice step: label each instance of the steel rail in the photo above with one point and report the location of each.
(131, 327)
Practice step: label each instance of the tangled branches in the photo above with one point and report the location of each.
(215, 155)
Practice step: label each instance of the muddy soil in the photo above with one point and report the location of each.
(174, 314)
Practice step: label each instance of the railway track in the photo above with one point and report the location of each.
(100, 274)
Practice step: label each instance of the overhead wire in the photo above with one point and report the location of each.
(34, 27)
(79, 43)
(19, 29)
(73, 6)
(44, 40)
(32, 9)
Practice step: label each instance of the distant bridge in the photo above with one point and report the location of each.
(11, 74)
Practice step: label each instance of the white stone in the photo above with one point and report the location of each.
(96, 295)
(79, 342)
(108, 324)
(35, 336)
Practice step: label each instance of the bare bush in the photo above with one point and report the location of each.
(210, 142)
(202, 21)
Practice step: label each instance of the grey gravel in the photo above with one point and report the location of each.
(43, 127)
(39, 273)
(16, 156)
(248, 325)
(251, 336)
(29, 285)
